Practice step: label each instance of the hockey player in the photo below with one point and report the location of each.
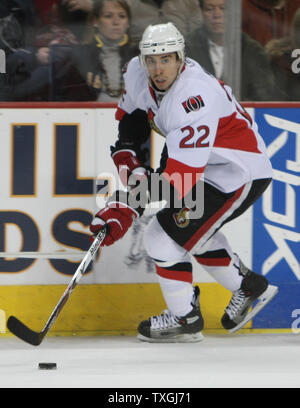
(213, 140)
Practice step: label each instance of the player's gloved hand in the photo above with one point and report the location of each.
(118, 218)
(129, 166)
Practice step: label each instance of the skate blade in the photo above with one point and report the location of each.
(263, 300)
(181, 338)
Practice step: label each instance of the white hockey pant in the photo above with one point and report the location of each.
(174, 267)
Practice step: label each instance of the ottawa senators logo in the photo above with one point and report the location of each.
(181, 218)
(193, 104)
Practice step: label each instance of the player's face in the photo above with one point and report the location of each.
(113, 21)
(213, 13)
(163, 69)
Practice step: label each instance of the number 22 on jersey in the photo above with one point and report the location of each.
(202, 133)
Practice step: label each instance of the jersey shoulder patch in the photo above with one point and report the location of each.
(193, 104)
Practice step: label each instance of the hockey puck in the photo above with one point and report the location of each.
(47, 366)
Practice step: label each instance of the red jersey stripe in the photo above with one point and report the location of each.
(234, 133)
(181, 176)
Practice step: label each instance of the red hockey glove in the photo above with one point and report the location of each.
(129, 165)
(118, 217)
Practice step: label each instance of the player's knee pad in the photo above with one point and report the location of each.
(159, 245)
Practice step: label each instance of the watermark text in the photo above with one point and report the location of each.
(296, 62)
(2, 62)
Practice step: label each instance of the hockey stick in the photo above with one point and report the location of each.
(42, 255)
(35, 338)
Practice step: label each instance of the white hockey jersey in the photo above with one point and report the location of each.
(206, 129)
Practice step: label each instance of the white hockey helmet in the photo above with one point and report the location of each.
(161, 39)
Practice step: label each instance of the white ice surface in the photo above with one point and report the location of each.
(240, 360)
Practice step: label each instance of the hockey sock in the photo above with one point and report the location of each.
(176, 285)
(220, 262)
(227, 275)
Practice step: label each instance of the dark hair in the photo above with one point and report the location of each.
(201, 3)
(122, 3)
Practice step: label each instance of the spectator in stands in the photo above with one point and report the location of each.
(265, 20)
(96, 68)
(29, 75)
(39, 16)
(20, 61)
(30, 69)
(285, 61)
(11, 38)
(75, 15)
(24, 12)
(64, 18)
(205, 45)
(185, 14)
(47, 8)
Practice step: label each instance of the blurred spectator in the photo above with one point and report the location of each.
(95, 69)
(286, 64)
(71, 16)
(47, 8)
(205, 45)
(24, 12)
(11, 38)
(75, 15)
(37, 17)
(11, 34)
(30, 75)
(265, 20)
(185, 14)
(29, 69)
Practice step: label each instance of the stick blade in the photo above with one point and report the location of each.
(20, 330)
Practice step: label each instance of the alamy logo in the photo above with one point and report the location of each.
(161, 191)
(2, 62)
(295, 324)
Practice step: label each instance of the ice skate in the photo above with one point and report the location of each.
(254, 287)
(168, 328)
